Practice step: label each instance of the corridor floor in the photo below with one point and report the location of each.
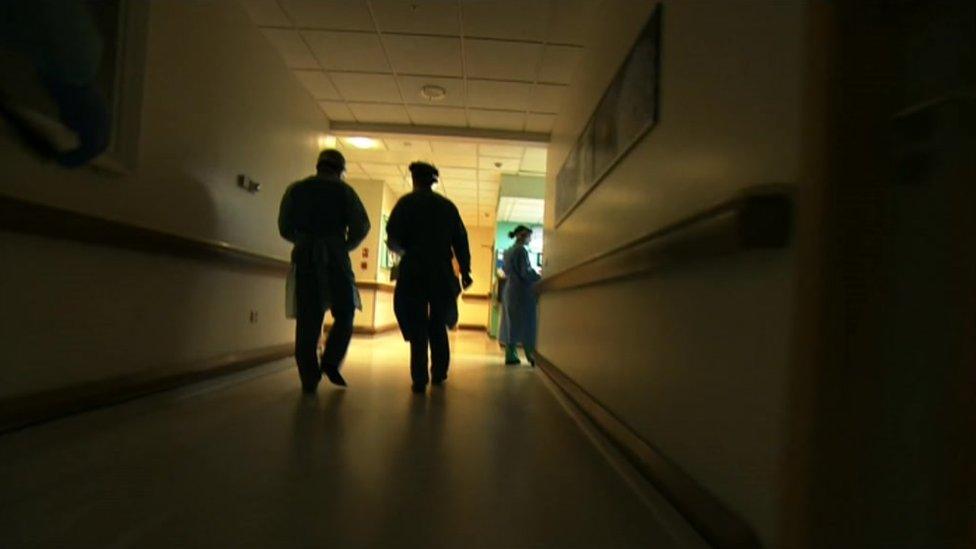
(491, 460)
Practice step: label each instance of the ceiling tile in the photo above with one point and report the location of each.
(318, 84)
(571, 23)
(469, 174)
(379, 114)
(381, 170)
(534, 160)
(454, 148)
(456, 160)
(266, 13)
(539, 123)
(501, 60)
(504, 165)
(504, 151)
(292, 48)
(425, 55)
(467, 184)
(381, 88)
(559, 63)
(337, 111)
(508, 19)
(492, 94)
(547, 98)
(411, 86)
(416, 146)
(329, 14)
(417, 16)
(347, 51)
(496, 120)
(437, 116)
(354, 169)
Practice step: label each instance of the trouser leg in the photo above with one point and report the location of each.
(440, 349)
(337, 342)
(418, 358)
(308, 329)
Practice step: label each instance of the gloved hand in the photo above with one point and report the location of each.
(466, 281)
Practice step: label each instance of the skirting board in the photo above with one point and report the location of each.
(716, 524)
(22, 411)
(479, 327)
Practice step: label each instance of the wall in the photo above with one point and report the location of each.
(473, 309)
(693, 358)
(371, 194)
(217, 102)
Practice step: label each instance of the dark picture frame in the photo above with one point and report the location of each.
(626, 112)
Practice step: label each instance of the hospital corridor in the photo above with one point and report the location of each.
(488, 274)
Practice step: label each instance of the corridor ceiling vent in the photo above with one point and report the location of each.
(433, 93)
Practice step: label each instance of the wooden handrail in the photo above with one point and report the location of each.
(26, 217)
(759, 218)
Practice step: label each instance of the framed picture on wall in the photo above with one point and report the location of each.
(625, 113)
(71, 79)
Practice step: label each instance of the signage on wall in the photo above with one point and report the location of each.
(625, 113)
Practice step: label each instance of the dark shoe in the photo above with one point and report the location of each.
(438, 380)
(309, 383)
(418, 388)
(334, 376)
(512, 362)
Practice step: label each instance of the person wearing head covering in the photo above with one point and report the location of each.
(425, 228)
(325, 220)
(518, 325)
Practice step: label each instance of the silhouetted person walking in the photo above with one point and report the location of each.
(427, 230)
(324, 218)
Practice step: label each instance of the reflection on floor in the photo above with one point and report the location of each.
(490, 460)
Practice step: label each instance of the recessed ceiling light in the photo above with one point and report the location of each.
(432, 93)
(362, 142)
(327, 141)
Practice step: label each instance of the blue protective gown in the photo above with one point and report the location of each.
(518, 298)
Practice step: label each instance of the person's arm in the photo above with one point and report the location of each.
(395, 230)
(462, 252)
(357, 221)
(286, 222)
(522, 268)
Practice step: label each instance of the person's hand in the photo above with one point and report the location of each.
(466, 281)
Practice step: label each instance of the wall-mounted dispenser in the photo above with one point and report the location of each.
(248, 184)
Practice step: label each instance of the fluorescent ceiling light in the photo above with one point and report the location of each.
(327, 141)
(362, 142)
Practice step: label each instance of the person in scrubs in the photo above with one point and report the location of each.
(325, 220)
(426, 229)
(518, 299)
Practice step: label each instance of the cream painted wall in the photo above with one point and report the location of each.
(218, 102)
(371, 194)
(474, 312)
(695, 357)
(384, 316)
(389, 200)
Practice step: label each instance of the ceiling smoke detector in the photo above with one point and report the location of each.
(433, 93)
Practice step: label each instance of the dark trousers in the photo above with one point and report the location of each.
(308, 329)
(435, 336)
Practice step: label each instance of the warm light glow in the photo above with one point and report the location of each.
(327, 141)
(362, 142)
